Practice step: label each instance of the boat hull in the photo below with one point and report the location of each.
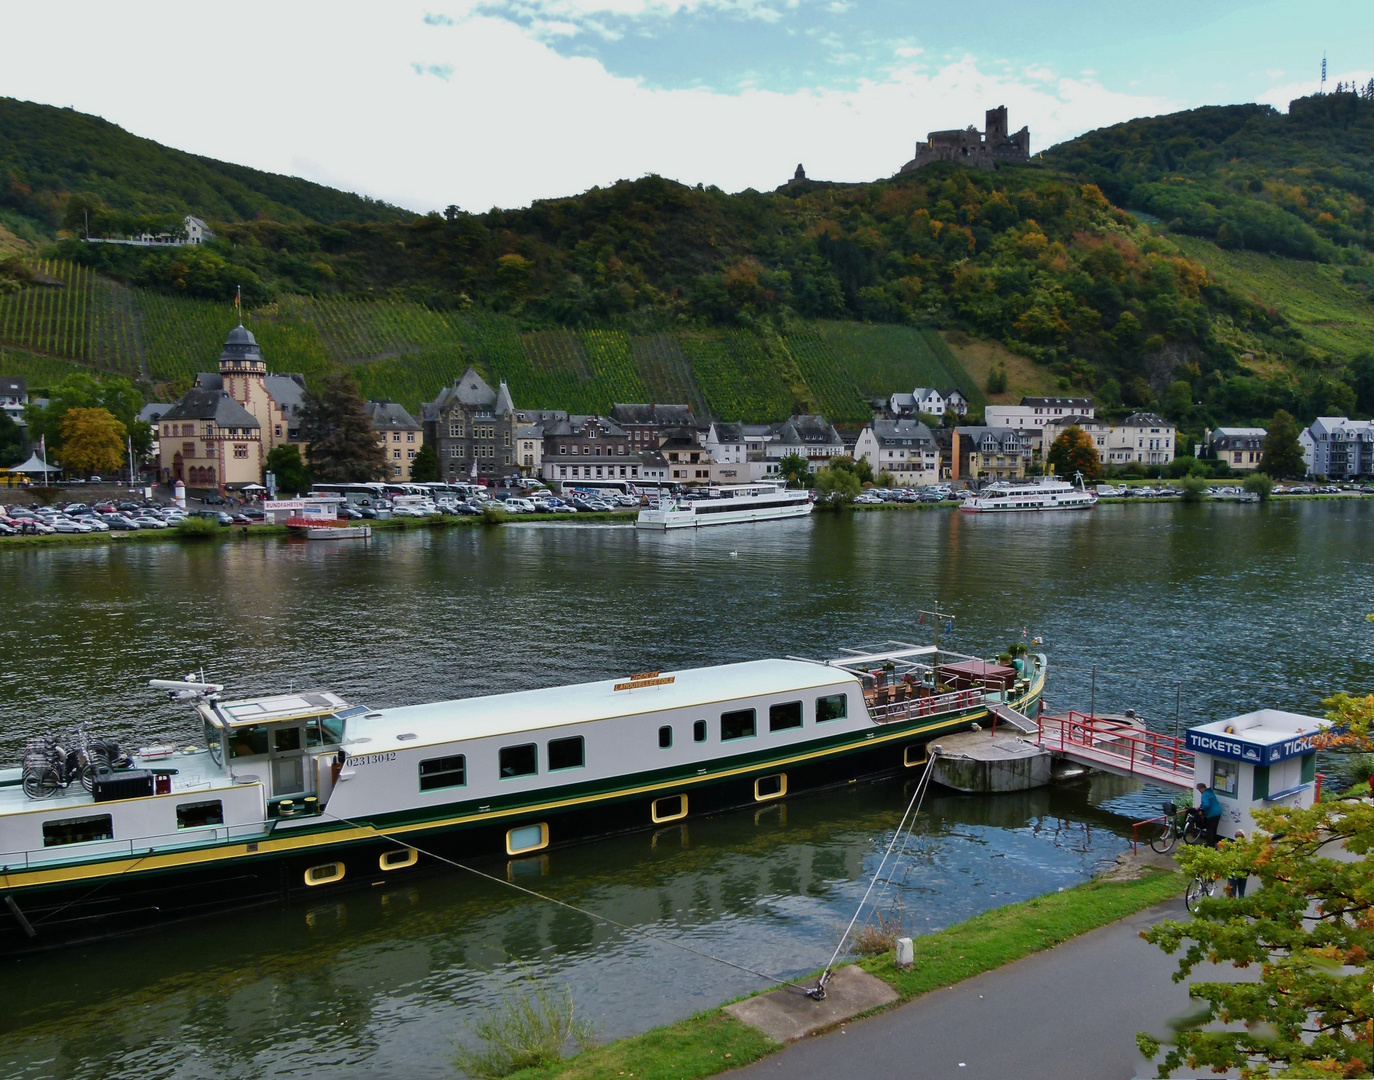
(689, 519)
(68, 905)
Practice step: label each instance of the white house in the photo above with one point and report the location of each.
(1097, 430)
(904, 448)
(1035, 412)
(1338, 448)
(813, 437)
(928, 400)
(726, 443)
(14, 395)
(1142, 437)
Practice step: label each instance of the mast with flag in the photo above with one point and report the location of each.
(238, 303)
(43, 449)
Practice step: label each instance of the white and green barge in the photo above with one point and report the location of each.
(299, 794)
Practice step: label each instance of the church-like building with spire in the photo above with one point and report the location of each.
(220, 433)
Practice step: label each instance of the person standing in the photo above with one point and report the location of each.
(1210, 807)
(1238, 883)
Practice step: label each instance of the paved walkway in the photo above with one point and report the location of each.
(1070, 1012)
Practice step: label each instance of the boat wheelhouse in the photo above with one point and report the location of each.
(730, 504)
(292, 794)
(1046, 493)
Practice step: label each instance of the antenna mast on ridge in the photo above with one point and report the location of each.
(1323, 89)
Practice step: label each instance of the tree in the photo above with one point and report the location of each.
(1282, 454)
(859, 467)
(92, 441)
(796, 470)
(1308, 931)
(997, 379)
(1259, 484)
(11, 441)
(284, 462)
(82, 390)
(1074, 452)
(341, 442)
(838, 486)
(425, 467)
(1194, 488)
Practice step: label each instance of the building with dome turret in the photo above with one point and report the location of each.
(219, 435)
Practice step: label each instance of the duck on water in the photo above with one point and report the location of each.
(295, 795)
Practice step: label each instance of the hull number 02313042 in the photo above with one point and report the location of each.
(372, 759)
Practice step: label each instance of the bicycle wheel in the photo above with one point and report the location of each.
(1165, 841)
(1193, 832)
(1199, 889)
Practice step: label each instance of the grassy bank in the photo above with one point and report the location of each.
(713, 1041)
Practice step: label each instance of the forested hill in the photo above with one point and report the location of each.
(56, 163)
(1246, 176)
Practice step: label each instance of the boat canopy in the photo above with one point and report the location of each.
(267, 710)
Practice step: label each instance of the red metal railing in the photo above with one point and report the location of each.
(1132, 746)
(1135, 830)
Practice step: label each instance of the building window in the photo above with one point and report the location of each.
(410, 455)
(520, 760)
(784, 716)
(443, 772)
(567, 753)
(395, 436)
(507, 438)
(410, 436)
(240, 450)
(453, 451)
(396, 455)
(278, 431)
(739, 724)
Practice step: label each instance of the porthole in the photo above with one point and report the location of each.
(527, 838)
(915, 754)
(324, 873)
(398, 860)
(668, 808)
(770, 787)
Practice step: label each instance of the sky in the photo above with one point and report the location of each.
(485, 103)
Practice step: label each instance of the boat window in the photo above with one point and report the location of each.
(324, 731)
(195, 815)
(213, 742)
(699, 731)
(834, 707)
(78, 830)
(787, 714)
(443, 772)
(566, 753)
(520, 760)
(285, 739)
(665, 737)
(740, 724)
(248, 742)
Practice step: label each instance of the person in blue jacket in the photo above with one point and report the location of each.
(1210, 806)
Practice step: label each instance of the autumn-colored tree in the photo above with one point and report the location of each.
(1074, 452)
(1306, 934)
(92, 441)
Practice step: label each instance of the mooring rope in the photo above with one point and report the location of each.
(786, 983)
(913, 810)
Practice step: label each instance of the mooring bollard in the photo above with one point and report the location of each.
(906, 953)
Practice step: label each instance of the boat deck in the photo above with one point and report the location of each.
(190, 770)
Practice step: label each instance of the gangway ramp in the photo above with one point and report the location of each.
(1117, 746)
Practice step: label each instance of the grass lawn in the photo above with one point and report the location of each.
(713, 1041)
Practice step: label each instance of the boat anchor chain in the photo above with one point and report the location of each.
(817, 992)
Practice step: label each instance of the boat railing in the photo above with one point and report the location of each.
(885, 708)
(137, 845)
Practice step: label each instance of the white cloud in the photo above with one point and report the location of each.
(332, 94)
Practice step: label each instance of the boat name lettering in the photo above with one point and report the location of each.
(372, 759)
(635, 684)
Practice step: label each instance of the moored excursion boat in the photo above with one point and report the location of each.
(730, 504)
(299, 794)
(1045, 493)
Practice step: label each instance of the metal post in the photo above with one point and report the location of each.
(1092, 708)
(1178, 708)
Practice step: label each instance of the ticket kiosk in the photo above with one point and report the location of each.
(1256, 761)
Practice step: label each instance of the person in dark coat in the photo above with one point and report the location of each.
(1210, 806)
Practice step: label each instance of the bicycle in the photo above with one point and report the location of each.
(1199, 889)
(1185, 822)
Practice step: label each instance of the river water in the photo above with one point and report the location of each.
(1185, 613)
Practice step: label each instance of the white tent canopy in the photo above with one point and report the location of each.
(35, 466)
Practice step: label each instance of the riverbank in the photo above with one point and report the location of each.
(713, 1041)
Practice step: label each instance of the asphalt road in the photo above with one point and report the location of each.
(1071, 1012)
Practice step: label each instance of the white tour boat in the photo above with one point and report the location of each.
(295, 795)
(765, 500)
(1046, 493)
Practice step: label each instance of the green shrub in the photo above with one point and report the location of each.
(197, 527)
(1260, 484)
(523, 1030)
(1194, 488)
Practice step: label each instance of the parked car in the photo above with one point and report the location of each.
(121, 523)
(70, 525)
(213, 500)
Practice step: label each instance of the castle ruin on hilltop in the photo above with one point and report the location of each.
(978, 150)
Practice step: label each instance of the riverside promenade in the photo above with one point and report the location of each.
(1069, 1013)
